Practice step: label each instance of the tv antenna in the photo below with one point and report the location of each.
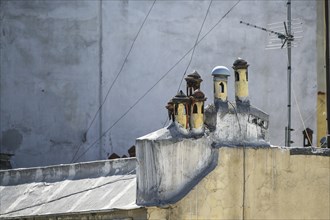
(281, 35)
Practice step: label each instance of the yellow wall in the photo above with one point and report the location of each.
(241, 86)
(277, 186)
(321, 117)
(156, 213)
(321, 71)
(197, 119)
(217, 93)
(181, 116)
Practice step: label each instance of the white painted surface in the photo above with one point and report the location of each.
(90, 189)
(168, 169)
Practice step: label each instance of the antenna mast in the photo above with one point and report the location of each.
(286, 38)
(289, 129)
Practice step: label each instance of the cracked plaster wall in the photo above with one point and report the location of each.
(168, 170)
(277, 186)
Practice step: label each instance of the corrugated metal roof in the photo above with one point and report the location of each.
(76, 188)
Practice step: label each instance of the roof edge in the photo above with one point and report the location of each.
(74, 171)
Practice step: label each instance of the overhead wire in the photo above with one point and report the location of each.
(300, 115)
(119, 72)
(161, 78)
(310, 116)
(193, 51)
(195, 44)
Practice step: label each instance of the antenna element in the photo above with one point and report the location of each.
(284, 37)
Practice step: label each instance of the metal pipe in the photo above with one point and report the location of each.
(327, 48)
(289, 73)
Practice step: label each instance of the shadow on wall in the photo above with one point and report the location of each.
(11, 140)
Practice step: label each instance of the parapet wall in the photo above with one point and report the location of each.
(68, 171)
(259, 183)
(169, 169)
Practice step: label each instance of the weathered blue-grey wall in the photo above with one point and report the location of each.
(59, 58)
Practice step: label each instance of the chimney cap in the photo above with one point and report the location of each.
(240, 64)
(199, 95)
(180, 97)
(169, 105)
(194, 76)
(220, 71)
(170, 102)
(307, 131)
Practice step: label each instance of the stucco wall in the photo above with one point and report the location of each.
(49, 79)
(168, 169)
(271, 184)
(59, 58)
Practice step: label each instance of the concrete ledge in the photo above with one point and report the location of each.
(75, 171)
(310, 151)
(235, 144)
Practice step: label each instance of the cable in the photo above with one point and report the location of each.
(119, 72)
(311, 115)
(162, 77)
(185, 72)
(88, 148)
(219, 21)
(75, 193)
(192, 54)
(301, 118)
(130, 108)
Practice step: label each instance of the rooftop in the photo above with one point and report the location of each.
(66, 189)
